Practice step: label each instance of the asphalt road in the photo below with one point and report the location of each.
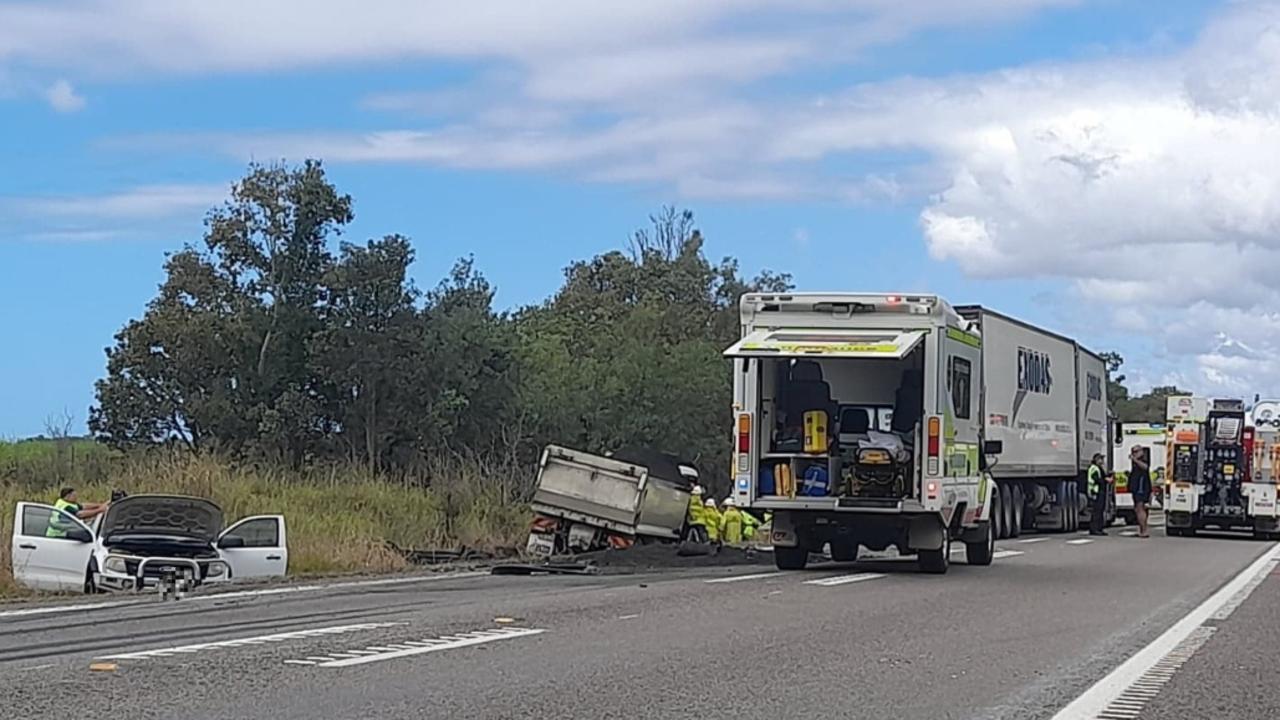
(1019, 639)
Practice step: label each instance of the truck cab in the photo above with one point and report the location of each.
(858, 422)
(1217, 480)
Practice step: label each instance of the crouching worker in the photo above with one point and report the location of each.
(731, 523)
(750, 524)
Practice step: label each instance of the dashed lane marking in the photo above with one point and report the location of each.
(1028, 541)
(739, 578)
(1080, 541)
(1000, 554)
(241, 642)
(844, 579)
(411, 648)
(1146, 671)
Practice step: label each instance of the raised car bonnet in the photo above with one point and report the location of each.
(170, 515)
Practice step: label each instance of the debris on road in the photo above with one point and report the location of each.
(686, 555)
(546, 568)
(102, 667)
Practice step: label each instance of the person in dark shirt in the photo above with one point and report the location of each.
(1140, 485)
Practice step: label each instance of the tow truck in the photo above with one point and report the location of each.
(1216, 481)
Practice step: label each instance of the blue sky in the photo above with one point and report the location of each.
(856, 145)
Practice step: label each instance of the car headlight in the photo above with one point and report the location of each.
(216, 569)
(115, 565)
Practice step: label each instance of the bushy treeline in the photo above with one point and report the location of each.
(274, 341)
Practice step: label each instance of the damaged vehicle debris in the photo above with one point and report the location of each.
(169, 542)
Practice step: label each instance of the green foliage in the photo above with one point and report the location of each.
(265, 345)
(1149, 408)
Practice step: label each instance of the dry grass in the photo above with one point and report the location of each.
(338, 519)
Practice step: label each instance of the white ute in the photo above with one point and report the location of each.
(140, 540)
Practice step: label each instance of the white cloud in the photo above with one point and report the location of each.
(1151, 184)
(62, 97)
(142, 202)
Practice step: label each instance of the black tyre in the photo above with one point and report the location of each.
(1010, 513)
(1173, 531)
(1128, 517)
(937, 562)
(997, 512)
(1019, 507)
(983, 551)
(786, 558)
(844, 551)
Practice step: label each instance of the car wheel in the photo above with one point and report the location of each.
(90, 579)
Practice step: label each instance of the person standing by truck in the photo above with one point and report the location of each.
(696, 521)
(731, 523)
(1140, 486)
(69, 503)
(1096, 488)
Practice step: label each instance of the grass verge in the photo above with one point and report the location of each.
(338, 519)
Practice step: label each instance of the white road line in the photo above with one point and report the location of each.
(1007, 554)
(844, 579)
(278, 637)
(52, 609)
(628, 617)
(739, 578)
(1096, 699)
(1080, 541)
(216, 597)
(1028, 541)
(458, 641)
(1128, 533)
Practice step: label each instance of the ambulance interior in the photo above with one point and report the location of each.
(845, 427)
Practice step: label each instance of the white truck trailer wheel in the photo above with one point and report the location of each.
(1010, 516)
(1019, 507)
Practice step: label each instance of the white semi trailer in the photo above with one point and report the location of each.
(897, 421)
(1046, 399)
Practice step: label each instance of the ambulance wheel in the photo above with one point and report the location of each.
(1019, 507)
(844, 551)
(937, 562)
(791, 558)
(997, 511)
(981, 552)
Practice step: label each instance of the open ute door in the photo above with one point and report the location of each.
(42, 561)
(793, 342)
(255, 547)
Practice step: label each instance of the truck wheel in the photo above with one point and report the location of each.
(1019, 508)
(937, 562)
(997, 512)
(844, 551)
(981, 552)
(786, 558)
(1010, 516)
(1067, 500)
(1128, 517)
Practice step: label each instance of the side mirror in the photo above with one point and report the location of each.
(992, 447)
(79, 534)
(231, 541)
